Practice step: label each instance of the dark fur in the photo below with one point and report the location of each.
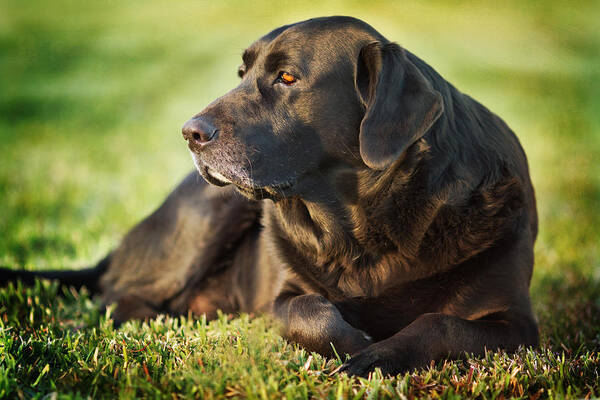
(387, 213)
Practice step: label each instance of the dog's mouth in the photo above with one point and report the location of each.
(214, 177)
(255, 192)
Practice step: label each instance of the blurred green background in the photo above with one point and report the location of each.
(93, 96)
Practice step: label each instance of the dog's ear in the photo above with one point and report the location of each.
(400, 104)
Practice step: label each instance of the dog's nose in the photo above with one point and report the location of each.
(199, 131)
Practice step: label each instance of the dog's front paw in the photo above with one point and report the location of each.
(389, 359)
(370, 358)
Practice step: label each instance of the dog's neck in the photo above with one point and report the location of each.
(356, 234)
(354, 215)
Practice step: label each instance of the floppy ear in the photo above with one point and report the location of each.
(400, 103)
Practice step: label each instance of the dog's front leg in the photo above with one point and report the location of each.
(316, 324)
(435, 336)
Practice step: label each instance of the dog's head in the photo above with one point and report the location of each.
(313, 96)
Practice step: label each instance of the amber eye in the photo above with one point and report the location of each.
(287, 78)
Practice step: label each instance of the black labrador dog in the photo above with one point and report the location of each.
(384, 213)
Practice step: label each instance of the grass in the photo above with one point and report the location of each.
(92, 98)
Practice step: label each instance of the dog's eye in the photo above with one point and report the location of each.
(286, 78)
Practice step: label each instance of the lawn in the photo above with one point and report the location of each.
(92, 98)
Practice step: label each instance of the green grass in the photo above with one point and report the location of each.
(92, 98)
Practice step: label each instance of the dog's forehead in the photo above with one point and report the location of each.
(331, 37)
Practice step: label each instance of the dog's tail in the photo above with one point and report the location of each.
(88, 277)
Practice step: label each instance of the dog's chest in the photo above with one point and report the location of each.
(335, 266)
(339, 279)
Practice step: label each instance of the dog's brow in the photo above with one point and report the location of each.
(274, 60)
(248, 57)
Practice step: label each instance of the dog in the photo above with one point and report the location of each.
(383, 213)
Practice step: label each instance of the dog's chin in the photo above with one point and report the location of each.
(253, 192)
